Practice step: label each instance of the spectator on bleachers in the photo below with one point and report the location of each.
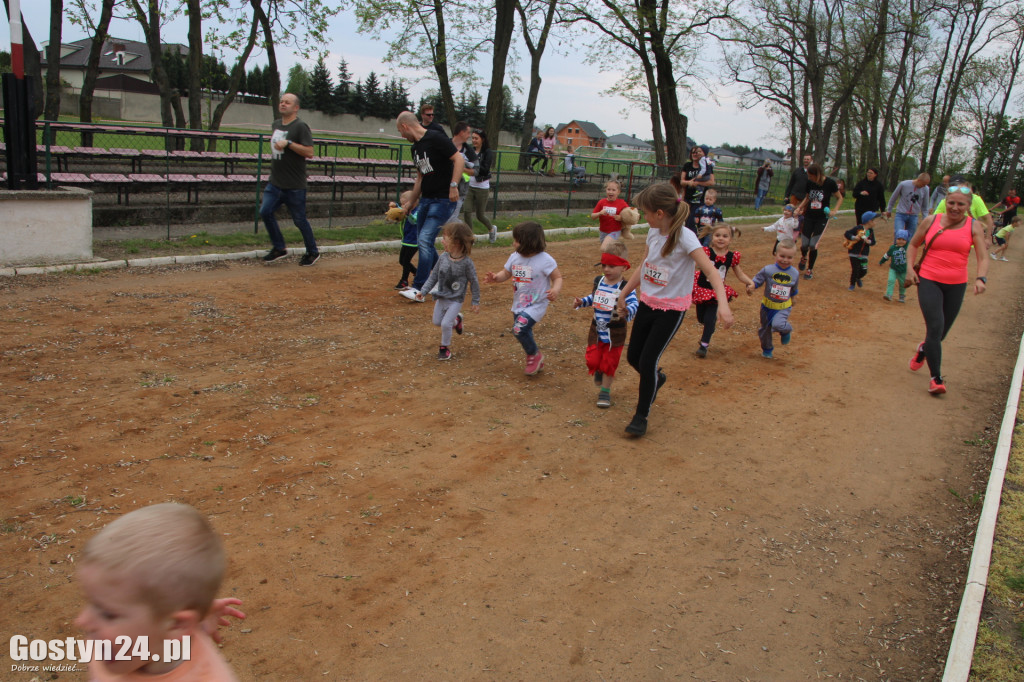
(291, 144)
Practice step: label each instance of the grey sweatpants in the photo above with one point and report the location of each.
(445, 312)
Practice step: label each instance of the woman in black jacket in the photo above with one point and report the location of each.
(868, 195)
(480, 185)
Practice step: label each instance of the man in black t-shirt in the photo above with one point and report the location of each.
(427, 119)
(291, 144)
(439, 167)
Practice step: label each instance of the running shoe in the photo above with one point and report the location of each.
(492, 235)
(275, 254)
(802, 265)
(767, 354)
(702, 351)
(444, 353)
(534, 363)
(937, 386)
(309, 259)
(992, 256)
(604, 399)
(410, 294)
(784, 339)
(917, 361)
(402, 284)
(637, 427)
(458, 323)
(809, 274)
(662, 378)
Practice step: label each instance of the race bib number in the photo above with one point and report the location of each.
(655, 276)
(605, 301)
(779, 292)
(610, 210)
(816, 205)
(522, 274)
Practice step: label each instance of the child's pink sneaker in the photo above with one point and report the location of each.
(534, 363)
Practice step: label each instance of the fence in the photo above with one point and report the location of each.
(148, 175)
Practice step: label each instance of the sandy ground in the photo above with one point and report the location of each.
(391, 517)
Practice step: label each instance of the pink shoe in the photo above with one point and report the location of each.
(534, 363)
(917, 361)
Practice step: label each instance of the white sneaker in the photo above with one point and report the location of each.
(993, 256)
(409, 293)
(1005, 259)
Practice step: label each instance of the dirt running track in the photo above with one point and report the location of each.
(391, 517)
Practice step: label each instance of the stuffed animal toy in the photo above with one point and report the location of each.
(630, 217)
(394, 214)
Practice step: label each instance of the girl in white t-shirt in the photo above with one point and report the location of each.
(665, 283)
(536, 281)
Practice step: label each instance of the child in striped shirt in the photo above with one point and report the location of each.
(607, 329)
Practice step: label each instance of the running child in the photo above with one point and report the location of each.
(607, 328)
(859, 241)
(780, 280)
(453, 273)
(410, 237)
(609, 211)
(897, 257)
(786, 227)
(707, 215)
(665, 282)
(703, 294)
(154, 572)
(1003, 238)
(536, 281)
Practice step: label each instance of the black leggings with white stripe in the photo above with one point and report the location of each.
(652, 332)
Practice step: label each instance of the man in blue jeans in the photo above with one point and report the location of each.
(291, 144)
(439, 167)
(911, 199)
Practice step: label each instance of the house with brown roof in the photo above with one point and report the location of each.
(580, 134)
(119, 57)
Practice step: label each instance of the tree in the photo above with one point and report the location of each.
(535, 34)
(321, 87)
(504, 25)
(5, 61)
(79, 14)
(371, 96)
(51, 111)
(193, 10)
(423, 40)
(797, 55)
(151, 19)
(343, 90)
(298, 84)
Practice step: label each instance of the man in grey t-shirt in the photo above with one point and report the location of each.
(291, 144)
(910, 199)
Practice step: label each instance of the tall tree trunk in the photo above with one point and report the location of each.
(440, 58)
(268, 44)
(195, 69)
(150, 19)
(536, 51)
(51, 111)
(504, 24)
(234, 82)
(668, 94)
(92, 67)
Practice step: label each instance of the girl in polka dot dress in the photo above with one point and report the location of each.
(703, 294)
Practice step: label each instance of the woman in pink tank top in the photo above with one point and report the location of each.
(942, 278)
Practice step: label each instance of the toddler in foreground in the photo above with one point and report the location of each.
(780, 280)
(153, 573)
(453, 273)
(608, 328)
(536, 282)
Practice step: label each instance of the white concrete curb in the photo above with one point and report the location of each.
(965, 634)
(241, 255)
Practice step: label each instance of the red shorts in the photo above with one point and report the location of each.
(603, 358)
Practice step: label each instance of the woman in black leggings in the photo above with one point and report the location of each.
(942, 278)
(821, 189)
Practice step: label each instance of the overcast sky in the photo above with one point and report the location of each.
(570, 88)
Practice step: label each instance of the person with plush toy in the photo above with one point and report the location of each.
(410, 234)
(858, 242)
